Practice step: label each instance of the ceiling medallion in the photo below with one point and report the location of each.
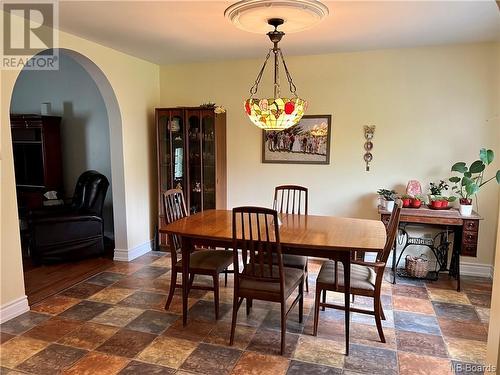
(298, 15)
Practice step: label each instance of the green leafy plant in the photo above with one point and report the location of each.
(438, 188)
(388, 195)
(472, 177)
(443, 198)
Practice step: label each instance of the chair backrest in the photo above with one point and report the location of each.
(90, 192)
(174, 207)
(256, 234)
(290, 199)
(392, 231)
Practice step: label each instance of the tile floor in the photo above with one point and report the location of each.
(115, 323)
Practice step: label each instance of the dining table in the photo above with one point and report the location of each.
(330, 237)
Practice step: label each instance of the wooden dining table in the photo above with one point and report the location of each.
(310, 235)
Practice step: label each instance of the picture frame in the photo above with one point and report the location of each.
(304, 143)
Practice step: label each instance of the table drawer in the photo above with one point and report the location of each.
(469, 250)
(471, 225)
(469, 237)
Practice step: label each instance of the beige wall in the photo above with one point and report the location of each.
(136, 85)
(493, 352)
(11, 275)
(431, 106)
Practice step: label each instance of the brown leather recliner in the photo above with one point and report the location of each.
(75, 231)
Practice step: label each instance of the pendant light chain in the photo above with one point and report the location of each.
(277, 88)
(255, 87)
(293, 88)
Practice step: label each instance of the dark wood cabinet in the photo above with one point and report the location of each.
(36, 144)
(191, 147)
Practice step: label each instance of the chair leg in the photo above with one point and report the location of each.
(324, 299)
(173, 282)
(316, 311)
(249, 305)
(216, 295)
(307, 277)
(235, 315)
(382, 315)
(378, 321)
(301, 302)
(283, 327)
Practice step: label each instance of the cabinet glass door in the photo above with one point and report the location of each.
(164, 152)
(208, 154)
(176, 126)
(195, 162)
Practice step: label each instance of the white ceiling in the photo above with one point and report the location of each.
(190, 31)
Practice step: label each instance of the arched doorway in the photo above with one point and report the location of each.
(104, 97)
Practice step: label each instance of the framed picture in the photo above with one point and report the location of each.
(308, 142)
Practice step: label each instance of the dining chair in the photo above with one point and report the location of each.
(293, 199)
(366, 278)
(256, 234)
(201, 262)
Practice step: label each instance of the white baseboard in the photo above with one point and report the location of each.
(14, 308)
(125, 255)
(476, 269)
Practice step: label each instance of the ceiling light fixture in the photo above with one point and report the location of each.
(276, 113)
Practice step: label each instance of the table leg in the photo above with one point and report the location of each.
(186, 250)
(457, 249)
(346, 262)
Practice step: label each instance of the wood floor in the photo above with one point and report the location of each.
(44, 281)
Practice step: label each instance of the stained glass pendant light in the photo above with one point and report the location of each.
(277, 113)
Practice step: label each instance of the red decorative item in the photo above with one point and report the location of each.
(416, 203)
(444, 204)
(406, 202)
(437, 204)
(433, 207)
(247, 107)
(289, 107)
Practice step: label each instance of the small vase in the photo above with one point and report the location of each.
(465, 209)
(389, 205)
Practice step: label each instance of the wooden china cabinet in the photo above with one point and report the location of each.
(191, 148)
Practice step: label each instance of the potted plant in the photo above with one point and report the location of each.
(406, 200)
(436, 201)
(387, 197)
(417, 200)
(472, 179)
(436, 190)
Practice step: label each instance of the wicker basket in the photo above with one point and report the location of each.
(417, 266)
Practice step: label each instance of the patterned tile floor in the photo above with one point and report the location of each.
(115, 323)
